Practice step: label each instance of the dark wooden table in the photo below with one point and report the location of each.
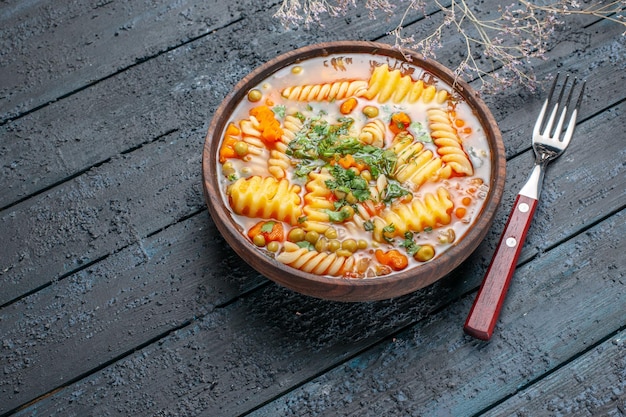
(119, 297)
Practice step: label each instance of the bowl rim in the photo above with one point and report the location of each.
(337, 288)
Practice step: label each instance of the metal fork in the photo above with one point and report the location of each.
(548, 142)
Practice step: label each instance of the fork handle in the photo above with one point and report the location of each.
(488, 303)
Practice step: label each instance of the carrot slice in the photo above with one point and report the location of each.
(399, 122)
(271, 230)
(393, 259)
(269, 127)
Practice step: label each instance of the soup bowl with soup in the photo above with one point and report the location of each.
(353, 171)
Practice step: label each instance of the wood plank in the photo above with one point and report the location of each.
(98, 213)
(85, 133)
(85, 220)
(579, 47)
(179, 247)
(135, 159)
(174, 91)
(274, 328)
(105, 311)
(121, 113)
(555, 308)
(48, 54)
(62, 58)
(238, 357)
(592, 385)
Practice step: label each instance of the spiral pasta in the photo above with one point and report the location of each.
(327, 91)
(256, 154)
(430, 212)
(343, 169)
(279, 163)
(320, 263)
(366, 210)
(291, 126)
(415, 163)
(266, 198)
(373, 133)
(317, 199)
(448, 143)
(386, 84)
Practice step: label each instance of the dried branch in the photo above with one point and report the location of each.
(500, 52)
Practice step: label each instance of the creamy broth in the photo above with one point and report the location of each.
(380, 217)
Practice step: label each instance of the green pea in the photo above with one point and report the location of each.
(296, 235)
(331, 233)
(370, 111)
(311, 236)
(424, 253)
(349, 245)
(241, 148)
(334, 245)
(340, 194)
(343, 252)
(228, 168)
(273, 246)
(347, 212)
(450, 235)
(361, 244)
(322, 244)
(259, 240)
(255, 95)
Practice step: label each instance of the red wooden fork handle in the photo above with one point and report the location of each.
(486, 309)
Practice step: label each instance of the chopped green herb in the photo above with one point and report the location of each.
(347, 181)
(336, 216)
(279, 111)
(305, 167)
(368, 226)
(389, 229)
(420, 133)
(380, 161)
(394, 190)
(267, 227)
(319, 142)
(306, 245)
(334, 145)
(409, 244)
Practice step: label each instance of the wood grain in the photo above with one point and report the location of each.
(447, 377)
(594, 384)
(184, 247)
(275, 339)
(63, 58)
(117, 296)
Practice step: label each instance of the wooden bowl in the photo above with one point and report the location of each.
(342, 289)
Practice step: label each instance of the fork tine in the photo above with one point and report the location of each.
(555, 109)
(540, 118)
(572, 120)
(559, 126)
